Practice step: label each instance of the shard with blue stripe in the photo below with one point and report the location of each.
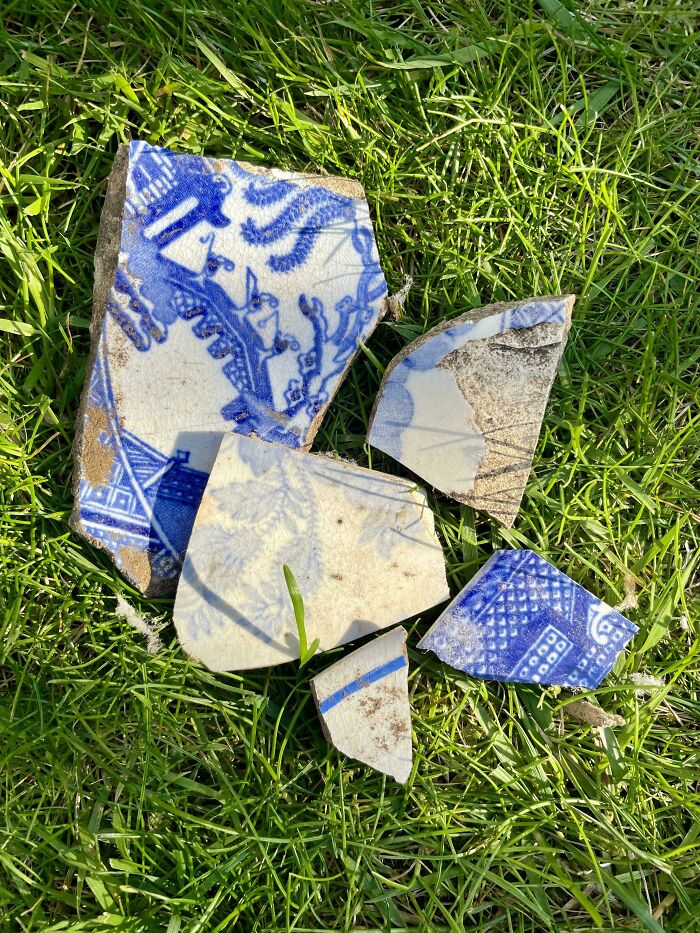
(364, 708)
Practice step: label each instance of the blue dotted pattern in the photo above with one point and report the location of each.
(521, 619)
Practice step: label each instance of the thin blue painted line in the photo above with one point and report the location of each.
(365, 680)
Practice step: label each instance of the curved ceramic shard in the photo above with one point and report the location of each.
(363, 704)
(521, 619)
(227, 298)
(462, 406)
(361, 545)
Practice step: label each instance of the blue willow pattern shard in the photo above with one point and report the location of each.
(238, 299)
(145, 502)
(521, 619)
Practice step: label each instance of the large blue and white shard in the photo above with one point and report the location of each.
(227, 298)
(521, 619)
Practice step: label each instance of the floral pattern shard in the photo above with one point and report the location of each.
(227, 298)
(361, 545)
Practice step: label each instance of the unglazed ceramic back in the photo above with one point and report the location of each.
(462, 406)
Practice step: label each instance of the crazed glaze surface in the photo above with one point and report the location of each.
(449, 407)
(361, 545)
(239, 299)
(521, 619)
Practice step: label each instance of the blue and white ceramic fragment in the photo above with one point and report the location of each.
(364, 708)
(361, 545)
(521, 619)
(227, 298)
(462, 406)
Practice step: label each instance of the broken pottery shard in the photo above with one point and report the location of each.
(521, 619)
(462, 406)
(227, 298)
(361, 545)
(363, 704)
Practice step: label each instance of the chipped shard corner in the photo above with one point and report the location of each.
(364, 706)
(140, 624)
(587, 712)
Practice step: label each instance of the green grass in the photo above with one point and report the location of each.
(507, 148)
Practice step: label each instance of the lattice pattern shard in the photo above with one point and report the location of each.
(521, 619)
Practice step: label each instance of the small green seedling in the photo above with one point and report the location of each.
(306, 652)
(372, 358)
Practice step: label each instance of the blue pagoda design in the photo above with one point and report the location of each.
(148, 503)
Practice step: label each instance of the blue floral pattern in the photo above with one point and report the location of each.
(267, 506)
(183, 199)
(279, 503)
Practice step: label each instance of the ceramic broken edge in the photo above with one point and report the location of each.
(363, 704)
(462, 406)
(361, 545)
(519, 619)
(144, 446)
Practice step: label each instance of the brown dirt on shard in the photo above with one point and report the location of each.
(97, 458)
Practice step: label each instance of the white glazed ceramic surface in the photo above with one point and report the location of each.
(361, 545)
(462, 423)
(363, 703)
